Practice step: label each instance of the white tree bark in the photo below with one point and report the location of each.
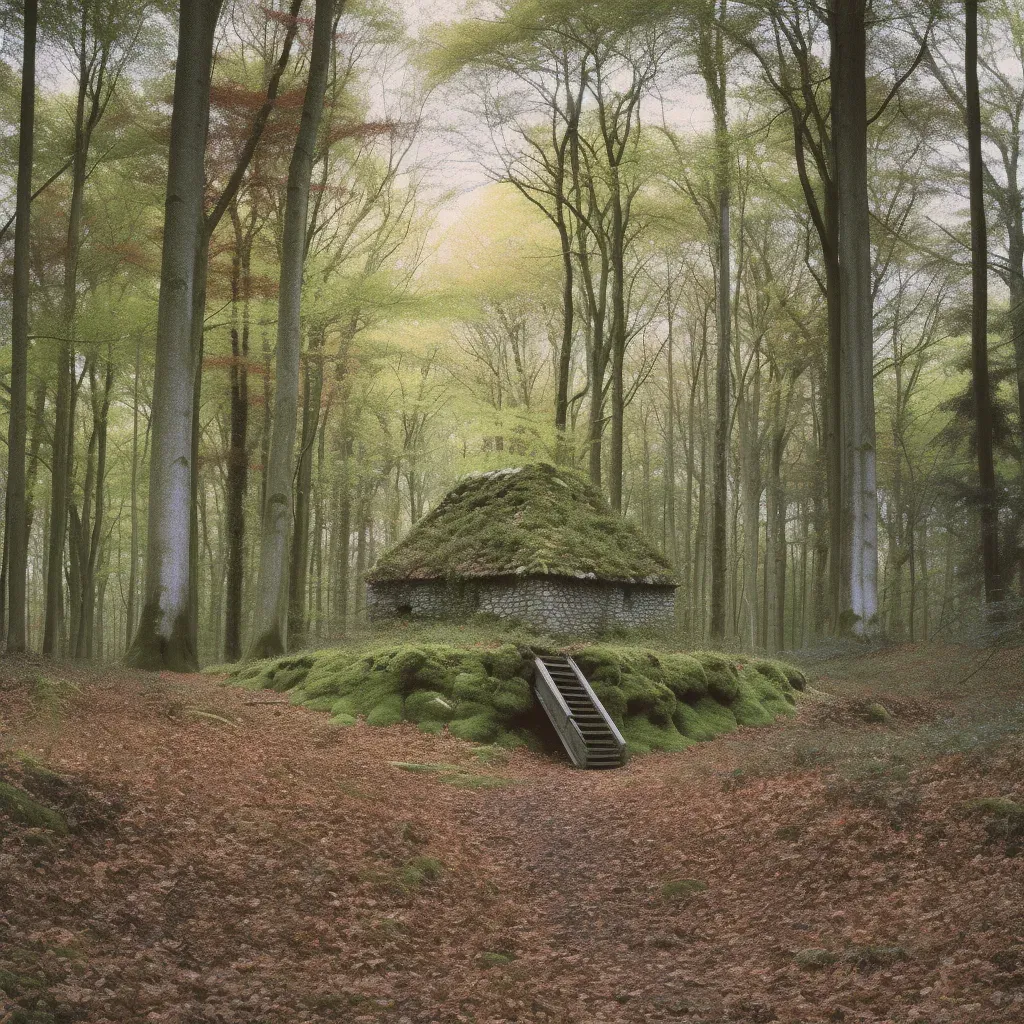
(270, 634)
(162, 640)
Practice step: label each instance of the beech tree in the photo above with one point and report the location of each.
(15, 521)
(271, 625)
(163, 636)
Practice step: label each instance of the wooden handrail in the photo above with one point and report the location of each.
(598, 706)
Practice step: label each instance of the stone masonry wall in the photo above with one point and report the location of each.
(550, 602)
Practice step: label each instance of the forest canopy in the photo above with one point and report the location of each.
(754, 271)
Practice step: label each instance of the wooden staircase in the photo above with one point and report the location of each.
(584, 727)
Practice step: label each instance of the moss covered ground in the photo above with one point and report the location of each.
(479, 688)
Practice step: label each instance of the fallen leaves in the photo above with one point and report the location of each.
(281, 870)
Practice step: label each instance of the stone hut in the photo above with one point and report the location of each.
(532, 543)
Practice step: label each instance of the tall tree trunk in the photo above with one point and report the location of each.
(850, 118)
(225, 201)
(670, 537)
(133, 550)
(163, 639)
(16, 518)
(618, 345)
(979, 322)
(750, 487)
(271, 624)
(237, 482)
(298, 576)
(712, 64)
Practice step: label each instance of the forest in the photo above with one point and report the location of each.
(783, 334)
(513, 511)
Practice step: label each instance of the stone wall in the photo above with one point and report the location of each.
(557, 603)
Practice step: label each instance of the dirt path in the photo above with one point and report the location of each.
(236, 859)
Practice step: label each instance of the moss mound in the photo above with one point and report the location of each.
(483, 693)
(527, 520)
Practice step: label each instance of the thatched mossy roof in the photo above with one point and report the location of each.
(526, 521)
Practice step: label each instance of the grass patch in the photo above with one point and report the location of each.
(492, 959)
(19, 806)
(453, 775)
(421, 871)
(682, 888)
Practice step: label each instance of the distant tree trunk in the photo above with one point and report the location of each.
(750, 488)
(850, 118)
(163, 639)
(237, 483)
(16, 518)
(712, 64)
(271, 622)
(618, 344)
(670, 540)
(344, 528)
(298, 576)
(133, 550)
(979, 322)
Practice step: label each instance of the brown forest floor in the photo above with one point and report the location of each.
(234, 859)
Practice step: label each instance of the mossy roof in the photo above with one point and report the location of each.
(527, 521)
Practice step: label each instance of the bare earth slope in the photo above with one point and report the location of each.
(232, 858)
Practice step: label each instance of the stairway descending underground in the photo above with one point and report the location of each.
(586, 730)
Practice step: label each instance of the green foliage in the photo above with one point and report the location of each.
(481, 692)
(530, 520)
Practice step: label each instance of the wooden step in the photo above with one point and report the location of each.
(594, 742)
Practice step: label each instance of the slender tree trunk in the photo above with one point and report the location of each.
(712, 62)
(750, 486)
(298, 576)
(618, 344)
(133, 550)
(237, 483)
(163, 638)
(989, 502)
(271, 624)
(670, 541)
(16, 518)
(850, 117)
